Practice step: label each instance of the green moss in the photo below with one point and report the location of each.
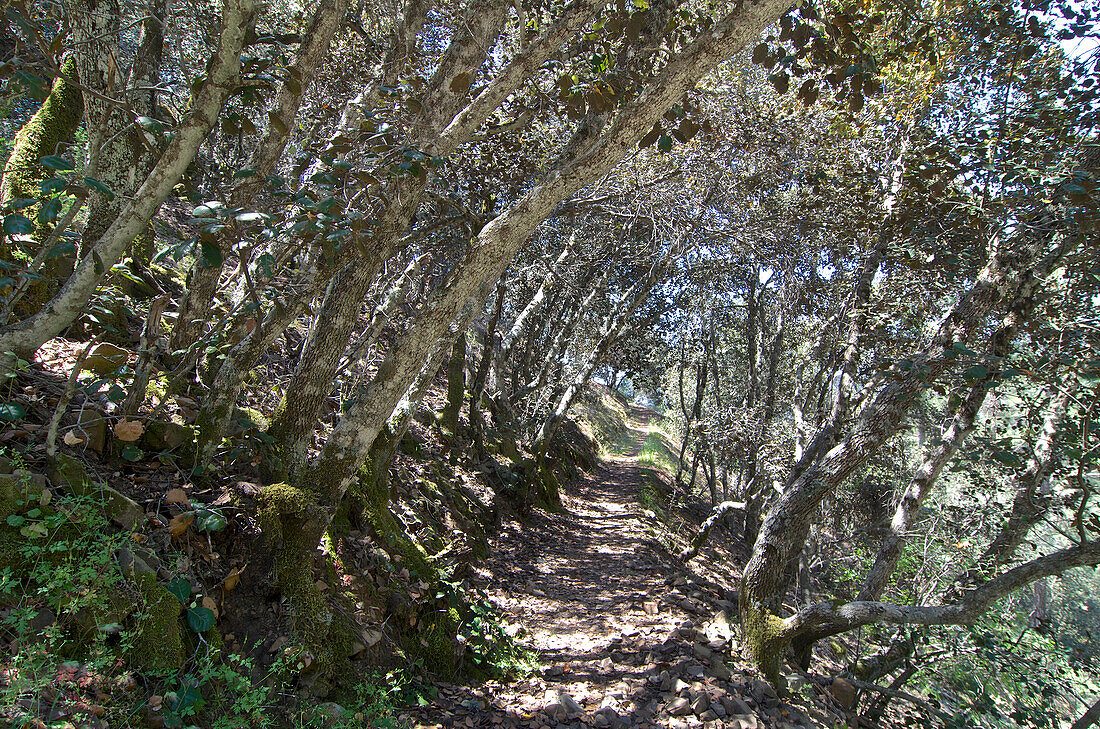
(159, 644)
(294, 524)
(435, 643)
(766, 642)
(44, 133)
(285, 499)
(373, 490)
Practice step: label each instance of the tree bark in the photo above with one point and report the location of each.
(495, 245)
(784, 530)
(25, 337)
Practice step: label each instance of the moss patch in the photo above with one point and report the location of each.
(159, 645)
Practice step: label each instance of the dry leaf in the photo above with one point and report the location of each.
(45, 497)
(129, 430)
(177, 496)
(231, 580)
(72, 439)
(209, 604)
(178, 525)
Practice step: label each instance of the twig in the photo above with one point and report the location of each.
(66, 398)
(148, 346)
(895, 693)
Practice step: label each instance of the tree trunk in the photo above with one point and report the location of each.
(784, 529)
(25, 337)
(456, 388)
(202, 280)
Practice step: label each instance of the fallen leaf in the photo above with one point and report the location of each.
(71, 439)
(178, 525)
(177, 496)
(209, 604)
(45, 497)
(128, 430)
(231, 580)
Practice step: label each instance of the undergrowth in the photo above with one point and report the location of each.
(75, 627)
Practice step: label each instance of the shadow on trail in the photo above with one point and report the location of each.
(631, 635)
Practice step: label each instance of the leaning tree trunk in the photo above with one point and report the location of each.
(787, 523)
(202, 280)
(25, 337)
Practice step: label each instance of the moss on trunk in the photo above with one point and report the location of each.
(294, 522)
(765, 641)
(52, 126)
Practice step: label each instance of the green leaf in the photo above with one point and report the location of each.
(99, 187)
(150, 124)
(54, 162)
(52, 185)
(11, 411)
(210, 521)
(1007, 457)
(132, 453)
(976, 372)
(664, 143)
(240, 174)
(49, 211)
(16, 520)
(211, 254)
(249, 217)
(200, 619)
(16, 224)
(180, 587)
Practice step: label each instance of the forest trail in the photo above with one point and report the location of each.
(622, 628)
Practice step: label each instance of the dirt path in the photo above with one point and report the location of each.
(625, 632)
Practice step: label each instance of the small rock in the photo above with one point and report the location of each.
(650, 608)
(844, 692)
(719, 670)
(332, 712)
(796, 684)
(133, 564)
(92, 426)
(701, 652)
(734, 705)
(559, 702)
(161, 435)
(679, 706)
(700, 705)
(762, 690)
(609, 705)
(601, 720)
(680, 685)
(105, 358)
(743, 721)
(709, 715)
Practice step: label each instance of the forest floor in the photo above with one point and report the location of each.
(627, 634)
